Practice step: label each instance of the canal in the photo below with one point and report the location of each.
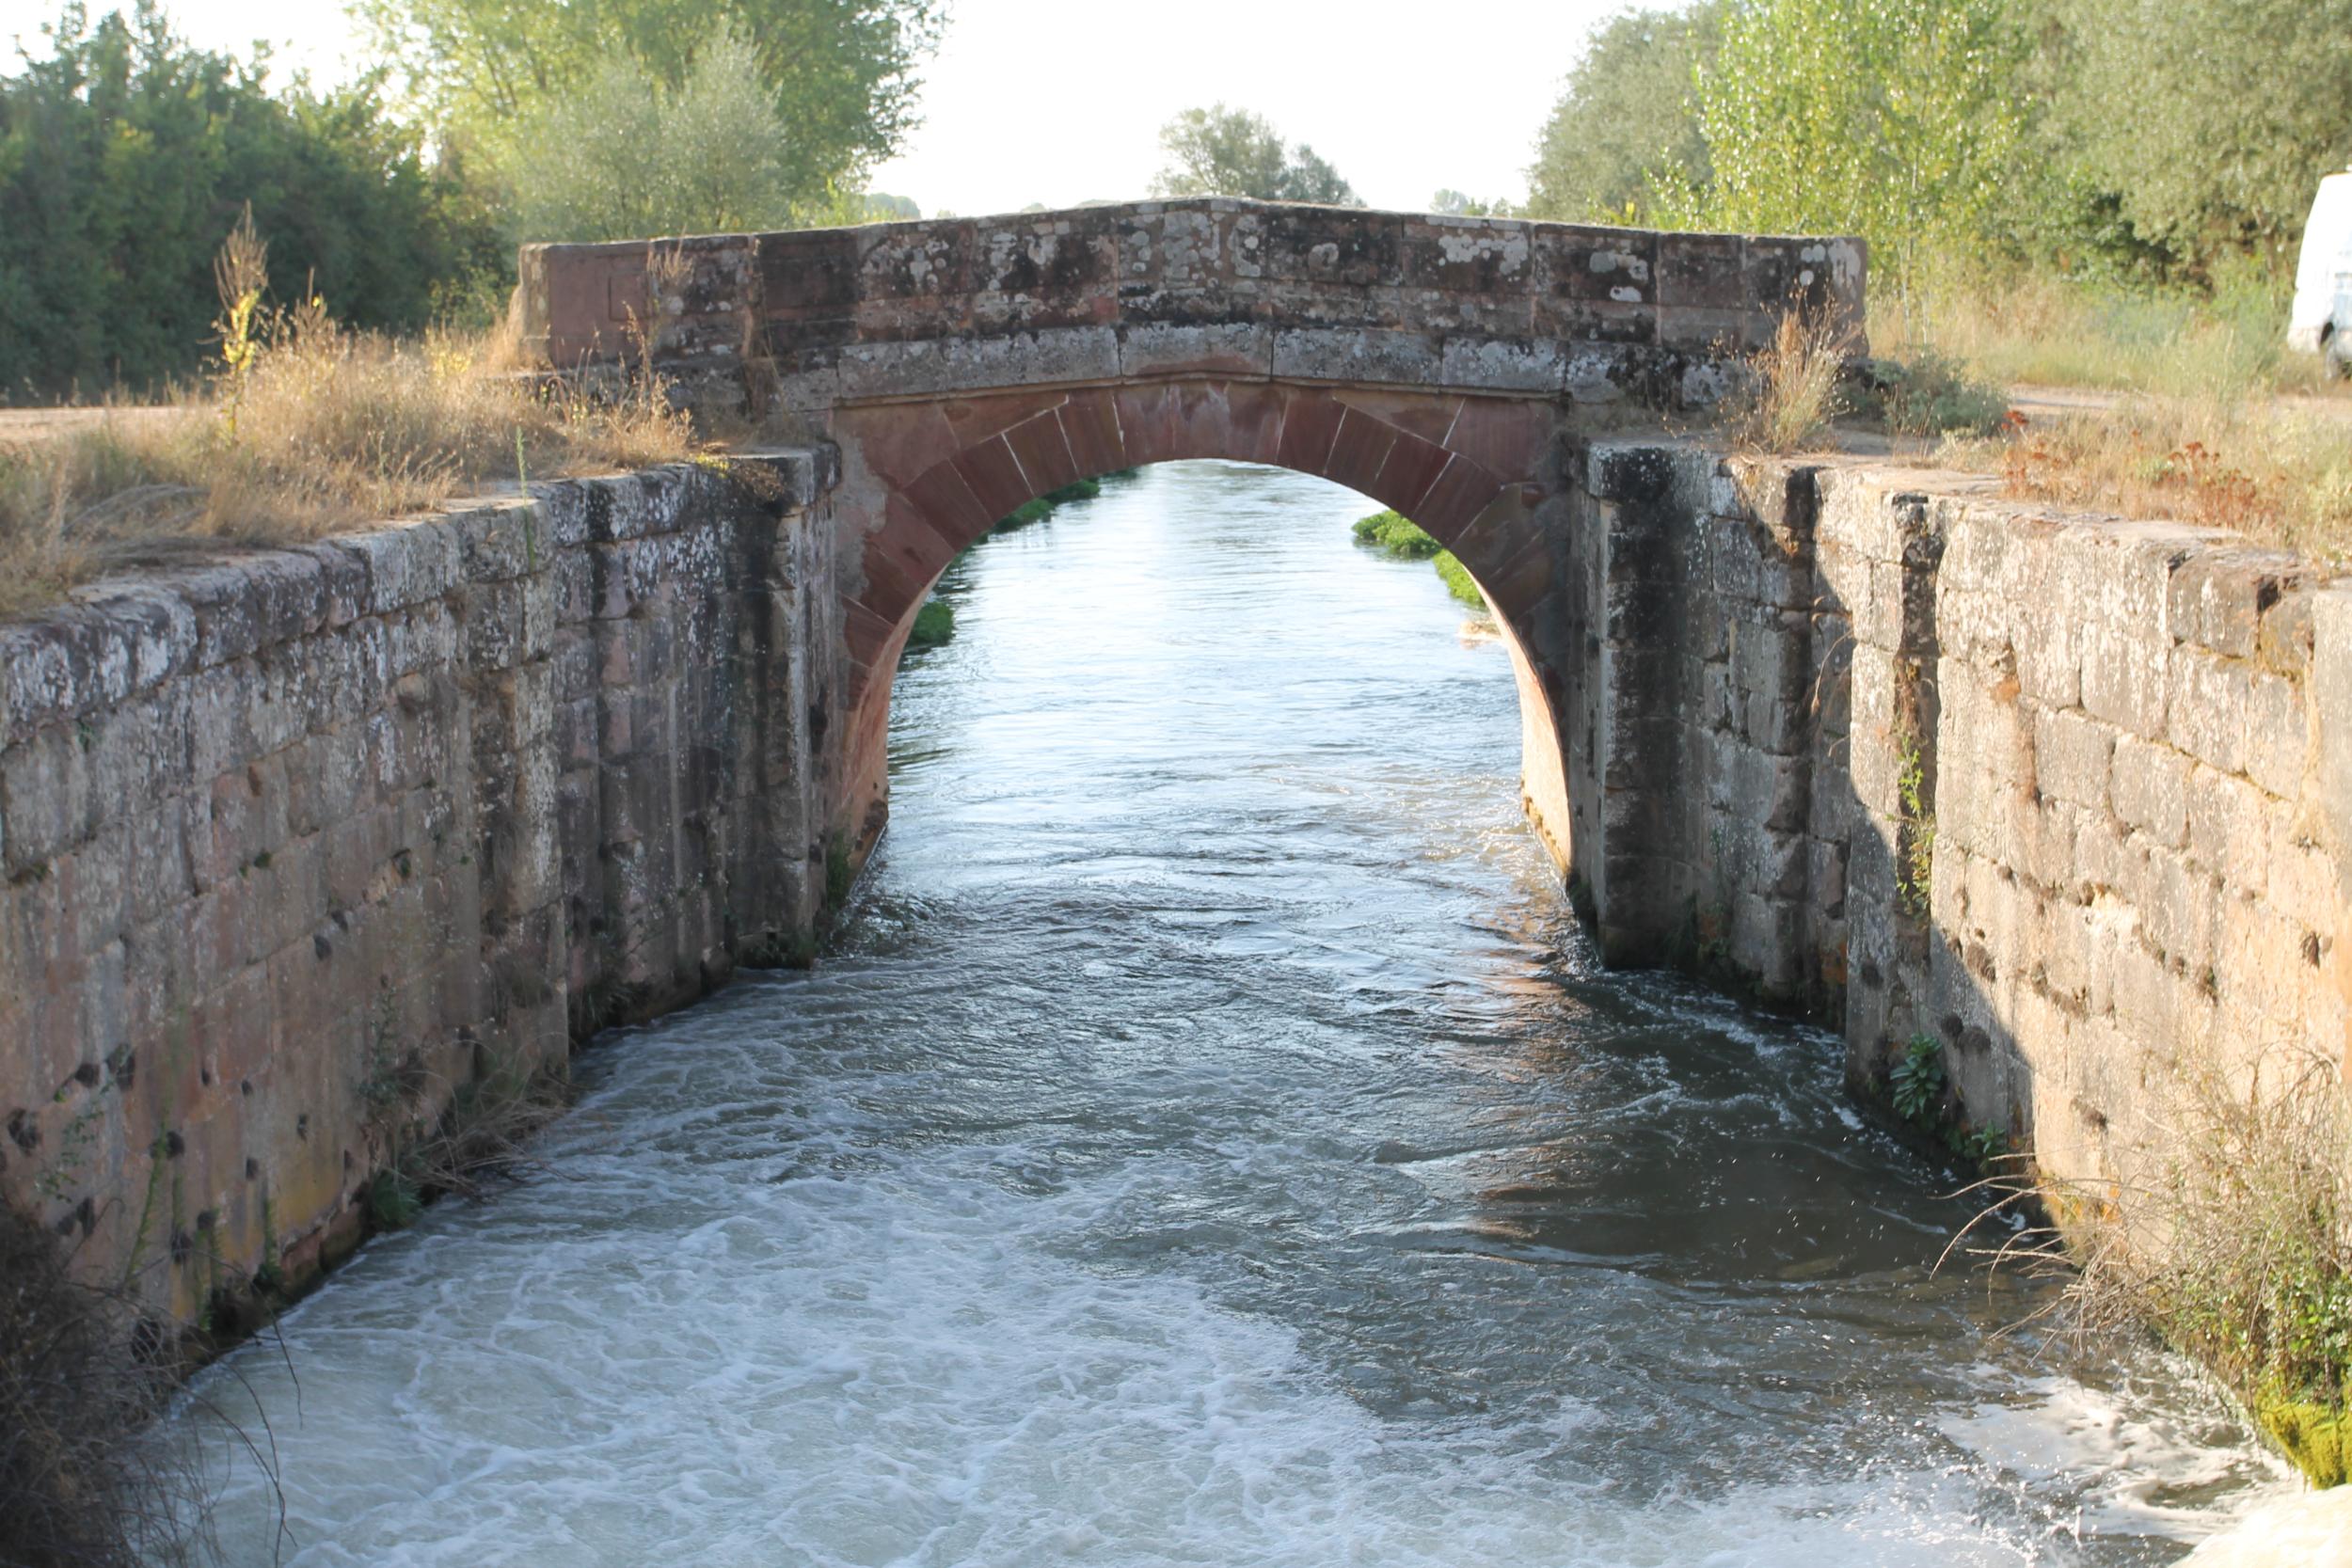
(1209, 1141)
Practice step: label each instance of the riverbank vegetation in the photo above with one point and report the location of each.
(1400, 538)
(2233, 1244)
(81, 1375)
(934, 626)
(127, 154)
(305, 426)
(1978, 146)
(2099, 194)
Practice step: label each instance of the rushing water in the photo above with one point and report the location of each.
(1211, 1144)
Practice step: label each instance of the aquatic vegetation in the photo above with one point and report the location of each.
(1394, 534)
(2235, 1250)
(934, 625)
(1044, 506)
(1458, 579)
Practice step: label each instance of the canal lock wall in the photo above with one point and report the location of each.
(299, 843)
(2065, 795)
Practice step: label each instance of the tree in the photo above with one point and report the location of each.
(1629, 114)
(623, 156)
(1453, 203)
(840, 73)
(1895, 120)
(125, 157)
(2212, 120)
(1222, 151)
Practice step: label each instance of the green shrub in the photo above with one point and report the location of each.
(77, 1484)
(1458, 579)
(1917, 1081)
(935, 623)
(1044, 506)
(1932, 394)
(1394, 533)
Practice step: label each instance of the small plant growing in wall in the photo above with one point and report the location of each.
(1916, 1083)
(1915, 870)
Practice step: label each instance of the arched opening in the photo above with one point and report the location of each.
(1484, 476)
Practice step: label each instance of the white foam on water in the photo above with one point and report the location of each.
(1212, 1149)
(656, 1358)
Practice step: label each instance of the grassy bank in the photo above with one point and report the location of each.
(2205, 416)
(2044, 331)
(312, 430)
(1399, 537)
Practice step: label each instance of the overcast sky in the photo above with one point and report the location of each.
(1061, 100)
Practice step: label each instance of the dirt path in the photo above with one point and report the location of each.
(2054, 403)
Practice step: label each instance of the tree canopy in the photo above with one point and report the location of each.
(1628, 115)
(127, 154)
(1223, 151)
(625, 156)
(2211, 120)
(1890, 118)
(2137, 138)
(840, 73)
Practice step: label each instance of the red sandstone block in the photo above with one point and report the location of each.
(1199, 419)
(1147, 424)
(1253, 420)
(1043, 452)
(899, 441)
(947, 503)
(994, 475)
(1310, 425)
(1359, 450)
(1405, 476)
(1089, 423)
(975, 420)
(1459, 494)
(867, 632)
(1427, 414)
(1506, 437)
(903, 557)
(1515, 563)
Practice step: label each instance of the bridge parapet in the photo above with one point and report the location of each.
(816, 318)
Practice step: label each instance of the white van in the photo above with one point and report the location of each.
(2322, 318)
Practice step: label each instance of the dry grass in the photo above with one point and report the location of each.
(81, 1376)
(2043, 331)
(320, 429)
(2215, 422)
(2233, 1244)
(1790, 389)
(2281, 476)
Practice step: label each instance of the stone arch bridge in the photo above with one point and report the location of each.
(1452, 368)
(295, 841)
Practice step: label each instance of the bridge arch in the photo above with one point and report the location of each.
(1473, 471)
(1443, 365)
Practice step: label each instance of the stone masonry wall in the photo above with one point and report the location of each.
(813, 319)
(2066, 794)
(296, 842)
